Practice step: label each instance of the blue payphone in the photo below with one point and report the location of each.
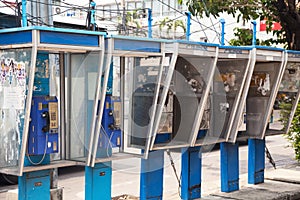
(43, 130)
(111, 121)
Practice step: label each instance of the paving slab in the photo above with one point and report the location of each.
(270, 190)
(291, 175)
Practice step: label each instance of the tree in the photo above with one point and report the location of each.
(244, 38)
(284, 11)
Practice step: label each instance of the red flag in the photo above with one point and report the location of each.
(275, 26)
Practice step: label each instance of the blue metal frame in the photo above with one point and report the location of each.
(294, 52)
(229, 167)
(139, 45)
(151, 179)
(198, 43)
(48, 35)
(10, 38)
(268, 48)
(191, 170)
(256, 160)
(62, 38)
(43, 28)
(236, 48)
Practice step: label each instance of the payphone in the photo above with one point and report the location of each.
(269, 68)
(185, 112)
(43, 130)
(44, 117)
(111, 123)
(233, 74)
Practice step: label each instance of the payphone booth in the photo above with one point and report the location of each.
(268, 71)
(48, 86)
(182, 117)
(288, 94)
(232, 74)
(185, 112)
(141, 70)
(233, 71)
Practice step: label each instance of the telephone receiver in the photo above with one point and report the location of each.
(46, 116)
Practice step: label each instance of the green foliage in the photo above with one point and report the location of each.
(171, 24)
(244, 37)
(294, 133)
(285, 12)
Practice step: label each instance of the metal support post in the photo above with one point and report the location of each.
(98, 181)
(222, 21)
(93, 19)
(149, 23)
(229, 167)
(191, 164)
(24, 13)
(256, 161)
(151, 180)
(34, 185)
(254, 33)
(188, 26)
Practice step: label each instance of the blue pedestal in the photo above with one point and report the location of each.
(191, 163)
(98, 181)
(229, 167)
(151, 180)
(34, 185)
(256, 161)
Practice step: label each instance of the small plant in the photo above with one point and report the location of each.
(294, 133)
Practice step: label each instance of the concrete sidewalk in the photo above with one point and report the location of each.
(279, 184)
(282, 183)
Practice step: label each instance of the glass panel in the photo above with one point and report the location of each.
(229, 77)
(142, 77)
(263, 85)
(287, 96)
(14, 74)
(106, 128)
(179, 117)
(83, 79)
(128, 116)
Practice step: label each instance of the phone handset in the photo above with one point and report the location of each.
(46, 116)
